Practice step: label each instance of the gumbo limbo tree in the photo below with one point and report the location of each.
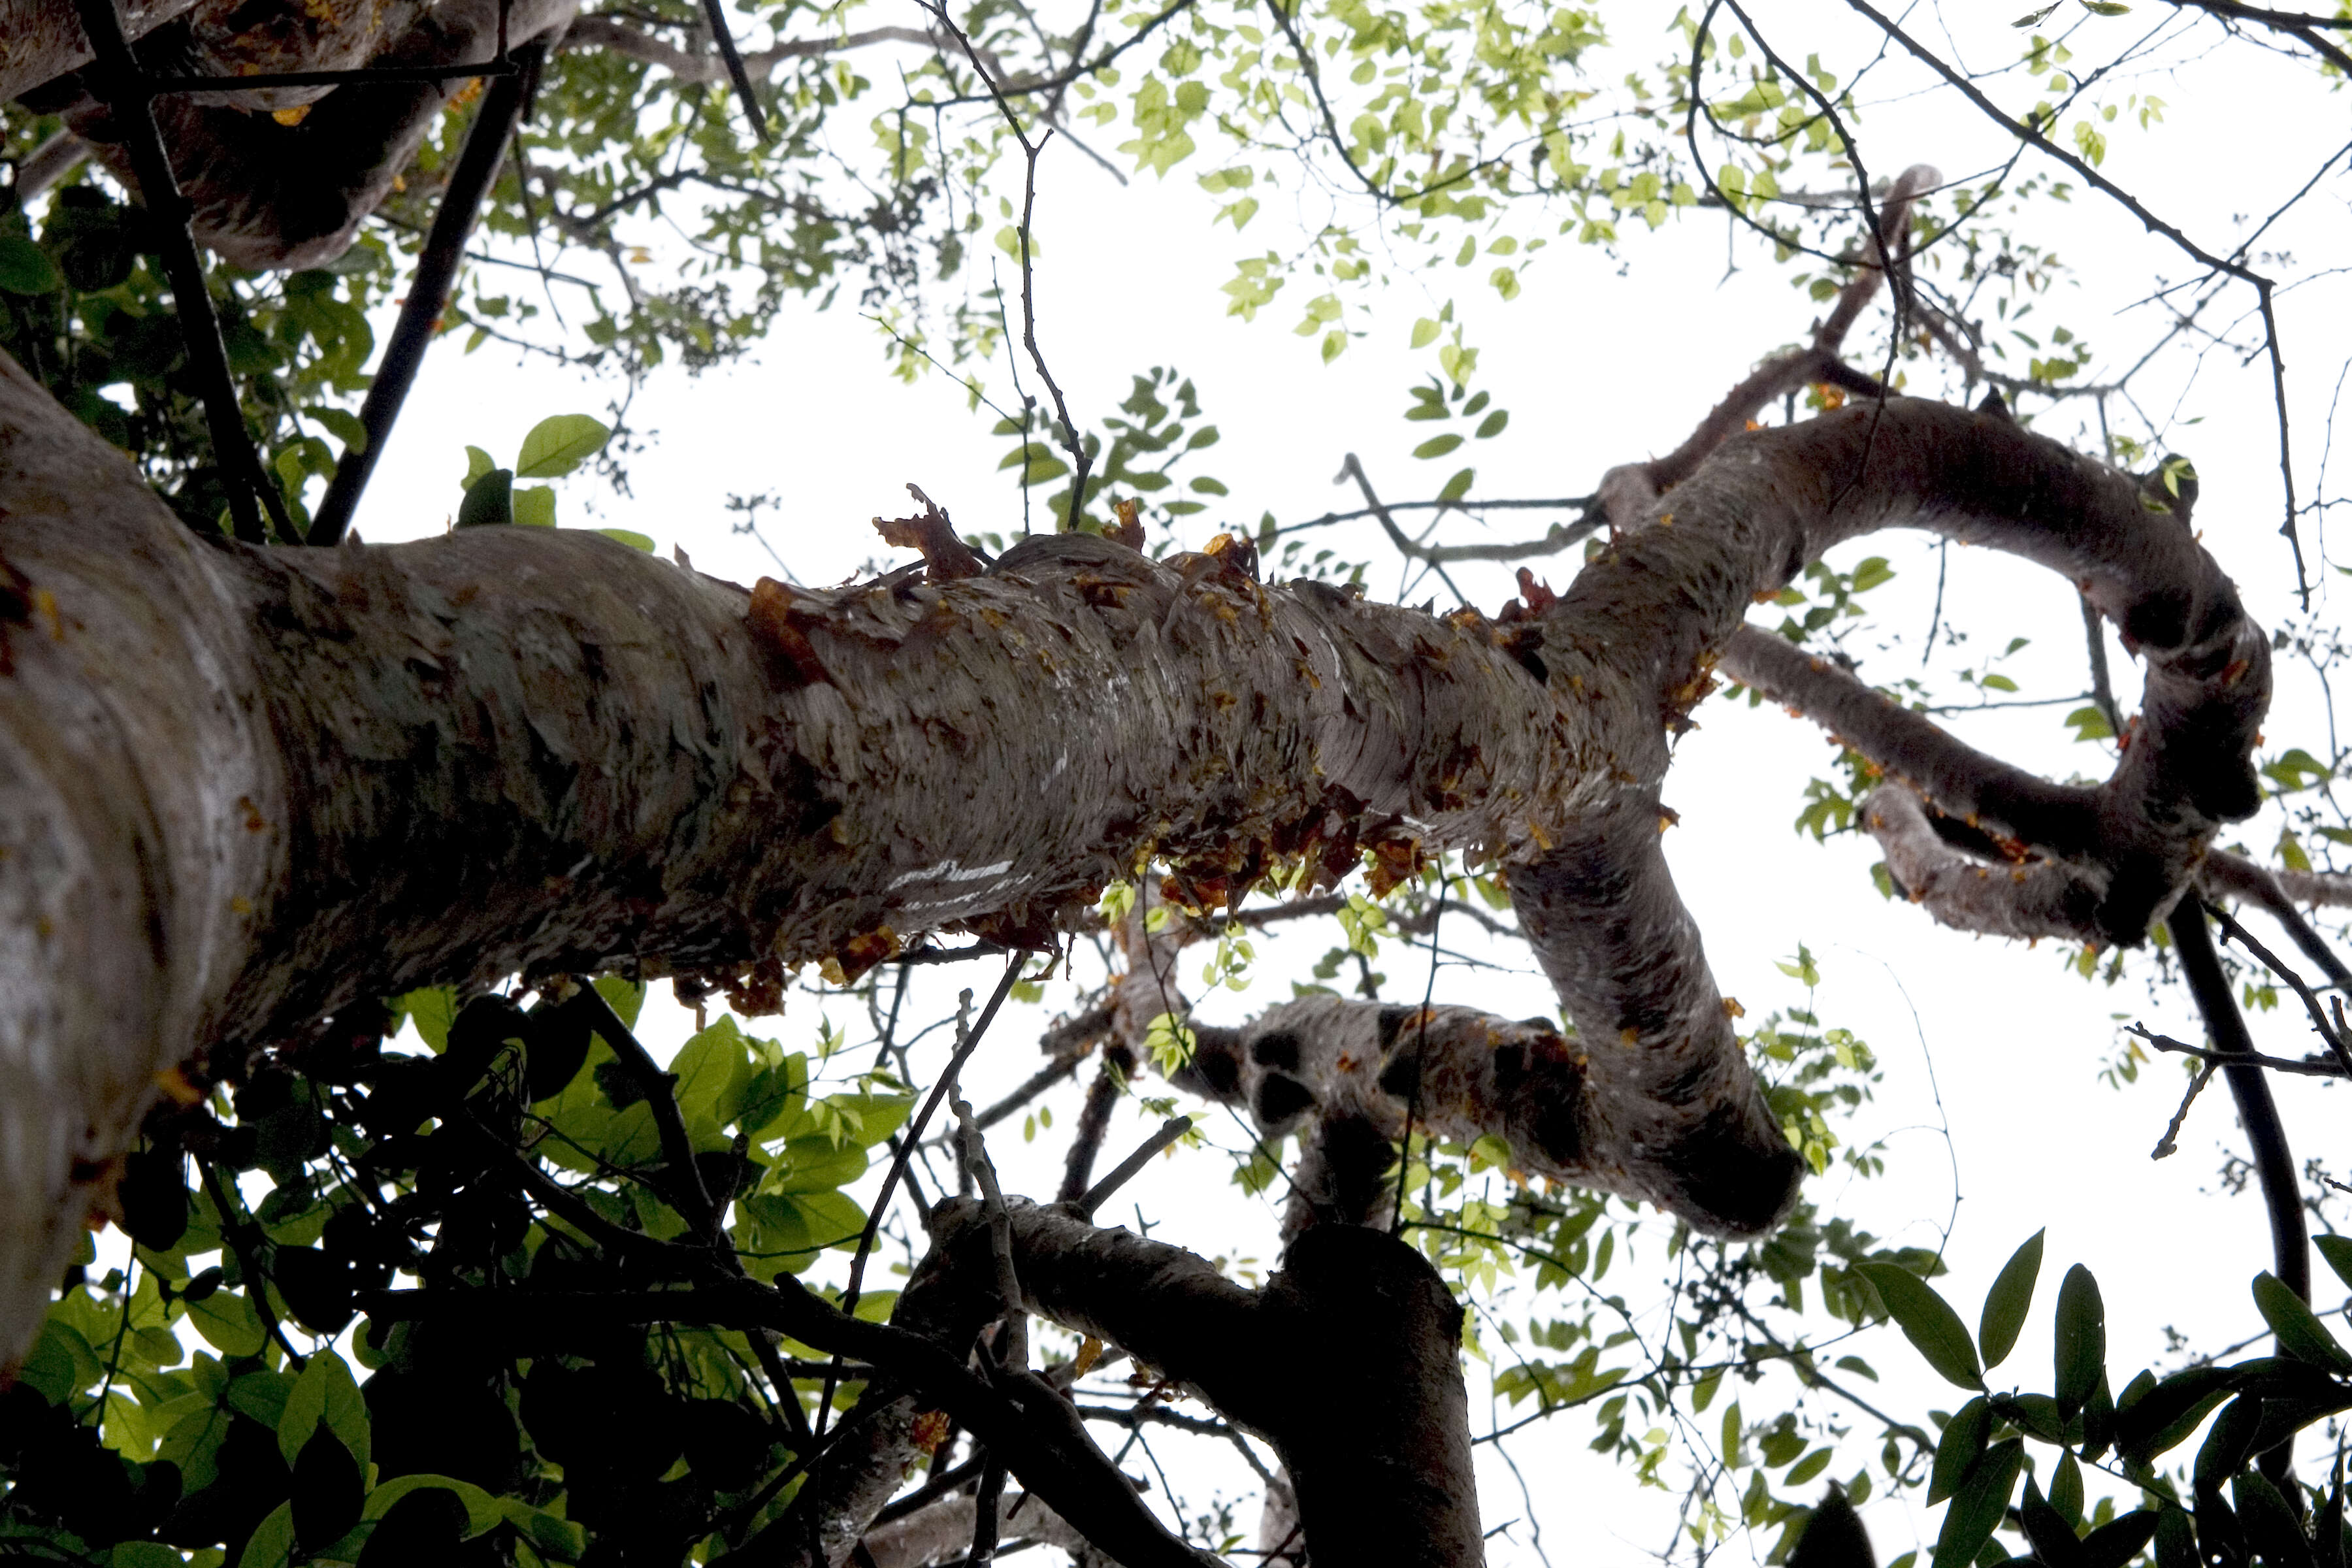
(269, 797)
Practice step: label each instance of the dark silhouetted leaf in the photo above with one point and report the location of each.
(2006, 1303)
(1980, 1505)
(2080, 1350)
(1963, 1440)
(1926, 1320)
(2300, 1333)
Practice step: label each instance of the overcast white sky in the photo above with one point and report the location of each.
(1991, 1097)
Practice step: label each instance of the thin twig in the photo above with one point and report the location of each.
(428, 295)
(2244, 937)
(684, 1175)
(1080, 463)
(1175, 1127)
(2306, 1067)
(1013, 1339)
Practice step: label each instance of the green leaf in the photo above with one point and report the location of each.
(490, 502)
(2035, 18)
(534, 507)
(2338, 1251)
(2090, 724)
(2300, 1333)
(1458, 486)
(482, 1511)
(641, 543)
(1493, 425)
(324, 1392)
(1438, 446)
(625, 997)
(26, 267)
(558, 445)
(2079, 1348)
(1928, 1321)
(2006, 1303)
(271, 1545)
(1980, 1505)
(229, 1323)
(432, 1011)
(1958, 1450)
(477, 463)
(2105, 8)
(1425, 333)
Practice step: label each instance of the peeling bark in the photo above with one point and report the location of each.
(244, 788)
(2115, 856)
(1381, 1465)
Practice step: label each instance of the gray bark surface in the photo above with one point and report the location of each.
(241, 788)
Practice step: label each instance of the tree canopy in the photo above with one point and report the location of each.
(334, 880)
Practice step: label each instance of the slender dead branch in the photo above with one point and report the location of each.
(429, 294)
(1126, 1170)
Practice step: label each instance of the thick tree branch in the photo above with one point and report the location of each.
(320, 775)
(1382, 1464)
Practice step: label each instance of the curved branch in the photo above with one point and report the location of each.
(615, 36)
(1629, 488)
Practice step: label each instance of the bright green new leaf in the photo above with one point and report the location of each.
(2006, 1303)
(560, 444)
(2300, 1333)
(1425, 333)
(1928, 1321)
(534, 507)
(477, 463)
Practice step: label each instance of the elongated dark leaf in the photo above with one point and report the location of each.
(2270, 1526)
(2098, 1420)
(1963, 1440)
(2006, 1303)
(2176, 1542)
(2080, 1351)
(2053, 1539)
(2338, 1251)
(1928, 1321)
(2158, 1418)
(2119, 1540)
(1979, 1507)
(2226, 1446)
(2300, 1333)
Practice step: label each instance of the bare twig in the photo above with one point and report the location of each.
(1126, 1171)
(429, 294)
(2244, 937)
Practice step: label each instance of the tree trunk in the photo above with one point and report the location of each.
(241, 788)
